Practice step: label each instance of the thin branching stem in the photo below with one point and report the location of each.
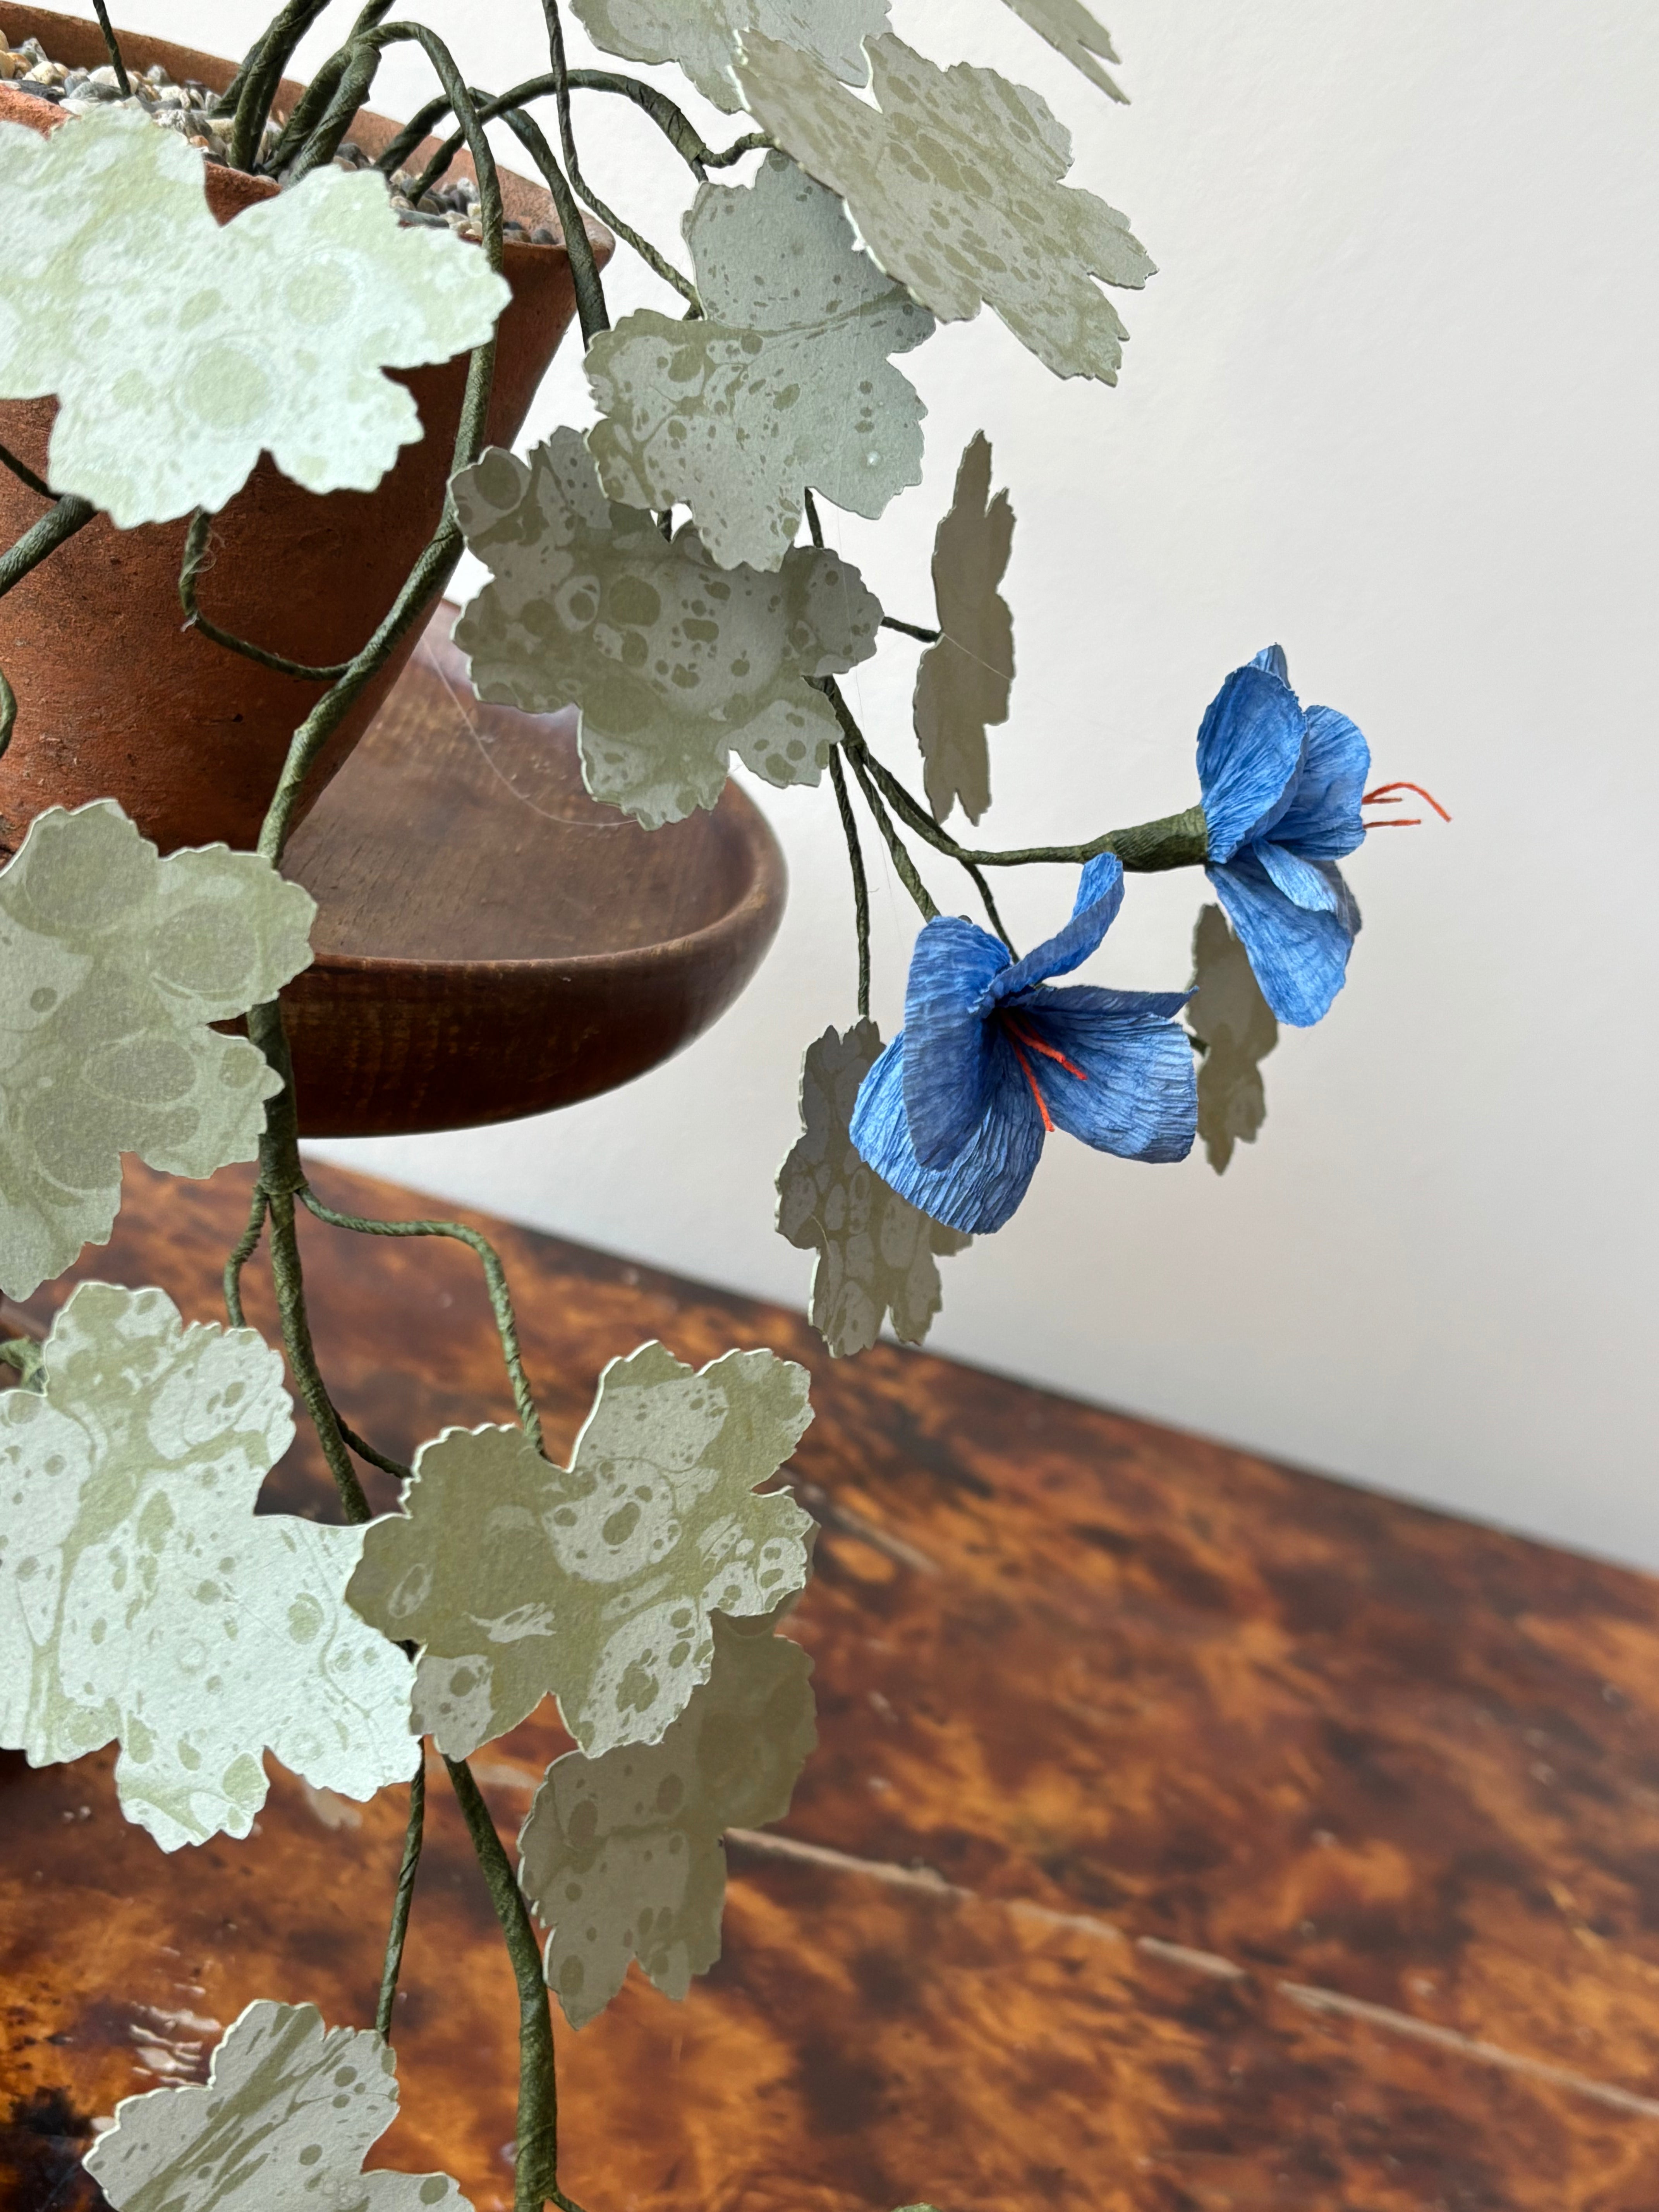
(24, 474)
(113, 47)
(246, 1244)
(324, 138)
(501, 1298)
(367, 1451)
(674, 124)
(903, 865)
(198, 547)
(413, 1835)
(536, 2161)
(911, 630)
(647, 252)
(39, 543)
(256, 82)
(860, 881)
(590, 309)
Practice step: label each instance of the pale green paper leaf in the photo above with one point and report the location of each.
(702, 35)
(963, 683)
(180, 348)
(596, 1584)
(1235, 1023)
(675, 662)
(785, 383)
(1070, 30)
(140, 1598)
(112, 964)
(955, 188)
(877, 1253)
(621, 1855)
(287, 2115)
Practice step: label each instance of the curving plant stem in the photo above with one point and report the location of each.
(501, 1298)
(24, 474)
(198, 542)
(536, 2168)
(112, 48)
(246, 1244)
(860, 881)
(414, 1836)
(38, 544)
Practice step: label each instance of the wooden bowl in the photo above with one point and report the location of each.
(491, 942)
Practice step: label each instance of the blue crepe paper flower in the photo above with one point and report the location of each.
(990, 1058)
(1281, 792)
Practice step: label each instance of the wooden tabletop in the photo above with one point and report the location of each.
(1188, 1834)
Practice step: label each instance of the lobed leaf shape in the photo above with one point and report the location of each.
(877, 1253)
(1234, 1022)
(596, 1583)
(955, 184)
(180, 348)
(962, 682)
(702, 35)
(784, 382)
(621, 1855)
(1070, 30)
(141, 1599)
(285, 2119)
(675, 662)
(114, 964)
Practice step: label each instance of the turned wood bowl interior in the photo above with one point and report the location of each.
(491, 941)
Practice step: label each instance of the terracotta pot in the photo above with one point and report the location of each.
(116, 699)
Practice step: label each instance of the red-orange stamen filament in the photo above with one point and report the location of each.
(1027, 1071)
(1048, 1051)
(1379, 797)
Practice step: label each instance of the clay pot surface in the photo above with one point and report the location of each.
(116, 698)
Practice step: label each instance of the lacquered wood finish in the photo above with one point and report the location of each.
(491, 942)
(1188, 1833)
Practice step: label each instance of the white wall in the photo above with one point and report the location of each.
(1390, 401)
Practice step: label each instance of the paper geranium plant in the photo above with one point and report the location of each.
(664, 549)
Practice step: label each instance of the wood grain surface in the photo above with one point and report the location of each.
(491, 941)
(1188, 1834)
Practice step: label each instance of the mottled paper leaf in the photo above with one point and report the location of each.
(517, 1578)
(1236, 1026)
(1070, 30)
(784, 383)
(877, 1253)
(141, 1599)
(178, 348)
(675, 662)
(112, 964)
(288, 2113)
(702, 35)
(963, 683)
(955, 186)
(621, 1855)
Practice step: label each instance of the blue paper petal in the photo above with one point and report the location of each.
(1099, 895)
(1249, 748)
(947, 1064)
(1301, 882)
(1323, 821)
(979, 1188)
(1271, 658)
(1300, 959)
(1138, 1094)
